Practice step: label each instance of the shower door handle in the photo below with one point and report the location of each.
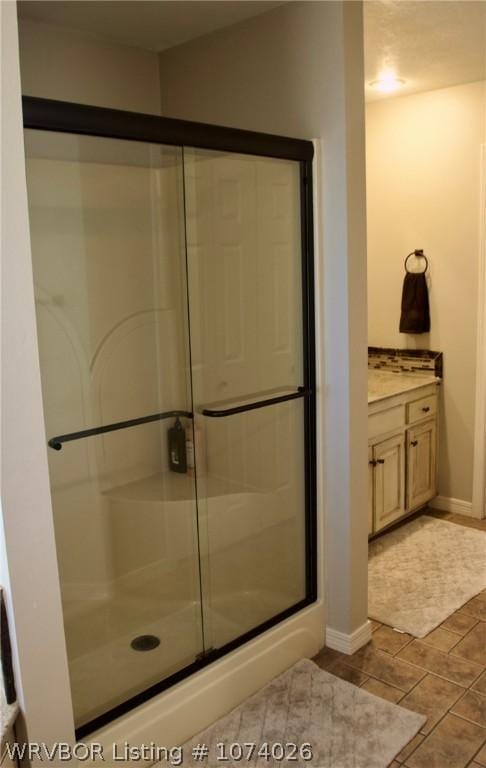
(56, 442)
(218, 412)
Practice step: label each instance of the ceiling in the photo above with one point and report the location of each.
(428, 44)
(153, 26)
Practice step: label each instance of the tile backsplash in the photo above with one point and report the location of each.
(406, 360)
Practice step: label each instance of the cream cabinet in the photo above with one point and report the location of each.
(388, 463)
(402, 451)
(421, 464)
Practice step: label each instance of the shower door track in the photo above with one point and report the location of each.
(67, 117)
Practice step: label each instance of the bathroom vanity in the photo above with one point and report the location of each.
(402, 444)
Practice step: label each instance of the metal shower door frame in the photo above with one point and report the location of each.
(67, 117)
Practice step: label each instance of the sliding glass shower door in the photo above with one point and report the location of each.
(173, 290)
(243, 234)
(108, 251)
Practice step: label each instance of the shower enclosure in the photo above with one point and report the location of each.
(173, 280)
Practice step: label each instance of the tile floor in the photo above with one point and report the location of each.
(442, 676)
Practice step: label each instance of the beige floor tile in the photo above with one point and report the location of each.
(471, 523)
(349, 674)
(326, 657)
(410, 747)
(375, 625)
(384, 667)
(481, 756)
(454, 657)
(468, 522)
(452, 744)
(473, 646)
(452, 668)
(387, 639)
(432, 697)
(460, 623)
(472, 706)
(441, 639)
(476, 607)
(382, 690)
(480, 684)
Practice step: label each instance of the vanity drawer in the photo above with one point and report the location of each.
(386, 421)
(421, 409)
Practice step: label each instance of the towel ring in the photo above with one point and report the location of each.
(420, 255)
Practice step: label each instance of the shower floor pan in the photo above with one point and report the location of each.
(107, 674)
(156, 588)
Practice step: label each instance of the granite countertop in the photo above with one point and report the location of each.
(382, 384)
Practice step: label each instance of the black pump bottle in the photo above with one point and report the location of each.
(176, 436)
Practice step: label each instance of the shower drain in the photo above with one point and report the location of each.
(145, 642)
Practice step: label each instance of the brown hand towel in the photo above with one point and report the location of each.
(415, 317)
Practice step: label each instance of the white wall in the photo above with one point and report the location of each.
(29, 570)
(64, 64)
(423, 191)
(298, 71)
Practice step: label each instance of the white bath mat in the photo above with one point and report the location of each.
(422, 572)
(344, 726)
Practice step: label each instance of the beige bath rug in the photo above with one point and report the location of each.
(422, 572)
(332, 723)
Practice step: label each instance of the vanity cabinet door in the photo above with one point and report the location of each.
(388, 481)
(421, 470)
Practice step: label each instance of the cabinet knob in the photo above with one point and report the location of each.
(414, 443)
(380, 461)
(426, 409)
(372, 463)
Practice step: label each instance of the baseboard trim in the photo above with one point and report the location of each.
(447, 504)
(348, 644)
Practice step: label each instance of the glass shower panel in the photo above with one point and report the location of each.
(243, 236)
(108, 249)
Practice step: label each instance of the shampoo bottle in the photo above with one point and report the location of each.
(176, 436)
